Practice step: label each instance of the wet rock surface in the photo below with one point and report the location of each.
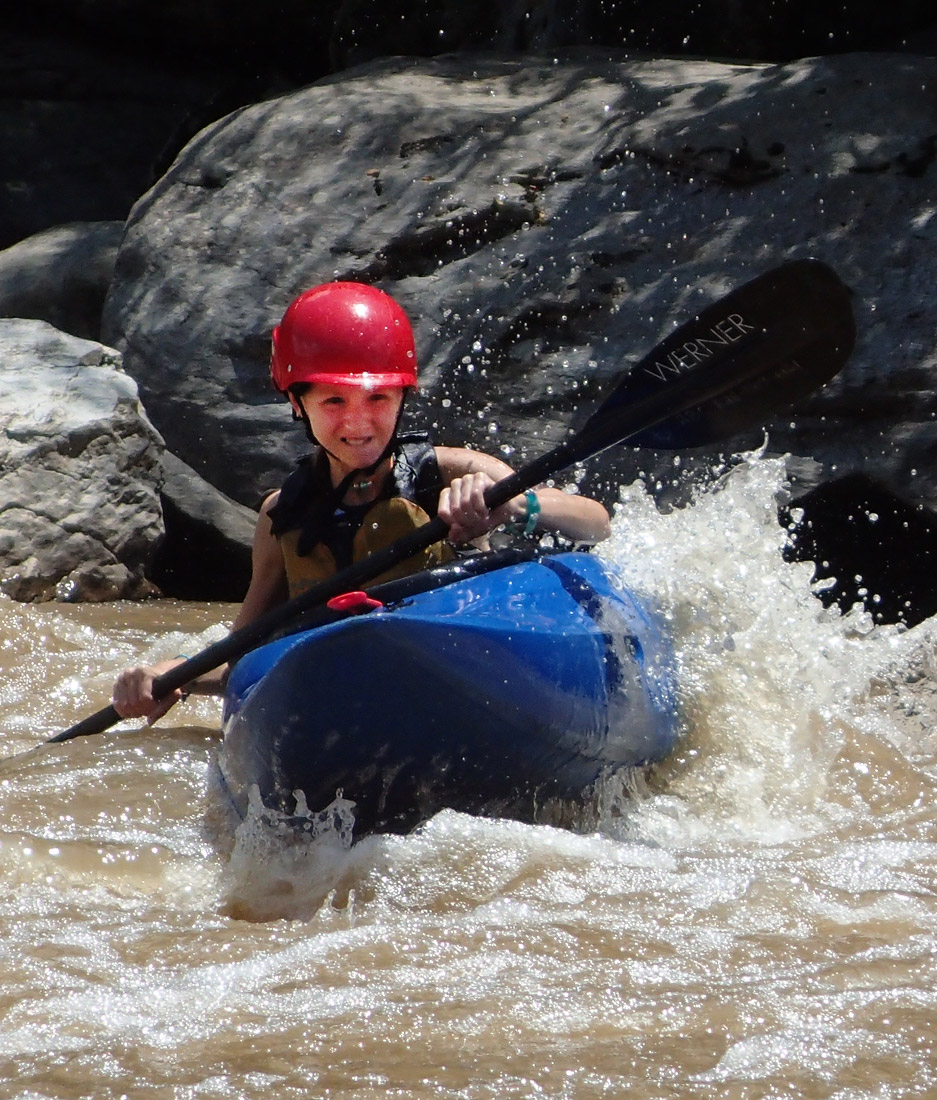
(79, 470)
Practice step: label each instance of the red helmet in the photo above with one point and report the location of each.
(346, 334)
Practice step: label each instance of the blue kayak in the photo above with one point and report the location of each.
(491, 692)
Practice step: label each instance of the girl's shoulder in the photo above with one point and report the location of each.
(270, 501)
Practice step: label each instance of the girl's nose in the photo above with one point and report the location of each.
(356, 416)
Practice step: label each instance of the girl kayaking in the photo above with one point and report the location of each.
(345, 358)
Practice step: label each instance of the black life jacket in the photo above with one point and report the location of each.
(319, 536)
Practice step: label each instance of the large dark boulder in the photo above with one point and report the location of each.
(543, 222)
(869, 547)
(206, 551)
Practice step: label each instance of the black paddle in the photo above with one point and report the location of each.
(762, 347)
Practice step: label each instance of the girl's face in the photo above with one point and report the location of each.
(353, 424)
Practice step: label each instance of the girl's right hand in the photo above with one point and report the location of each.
(133, 692)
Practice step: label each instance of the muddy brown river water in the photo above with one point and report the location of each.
(758, 919)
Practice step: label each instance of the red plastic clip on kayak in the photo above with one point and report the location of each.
(353, 602)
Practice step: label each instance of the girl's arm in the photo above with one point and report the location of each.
(133, 691)
(461, 504)
(268, 586)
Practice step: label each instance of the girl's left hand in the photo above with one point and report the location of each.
(462, 505)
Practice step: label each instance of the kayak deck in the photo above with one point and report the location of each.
(490, 695)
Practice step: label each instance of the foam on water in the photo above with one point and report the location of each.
(774, 690)
(285, 865)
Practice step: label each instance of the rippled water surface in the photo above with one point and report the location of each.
(758, 920)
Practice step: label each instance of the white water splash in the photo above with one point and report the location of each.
(774, 689)
(284, 865)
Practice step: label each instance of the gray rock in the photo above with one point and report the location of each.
(544, 223)
(61, 276)
(79, 469)
(206, 554)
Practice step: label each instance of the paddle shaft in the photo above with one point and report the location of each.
(355, 576)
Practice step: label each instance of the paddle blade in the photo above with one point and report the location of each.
(755, 352)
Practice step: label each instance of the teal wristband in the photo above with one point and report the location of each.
(533, 512)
